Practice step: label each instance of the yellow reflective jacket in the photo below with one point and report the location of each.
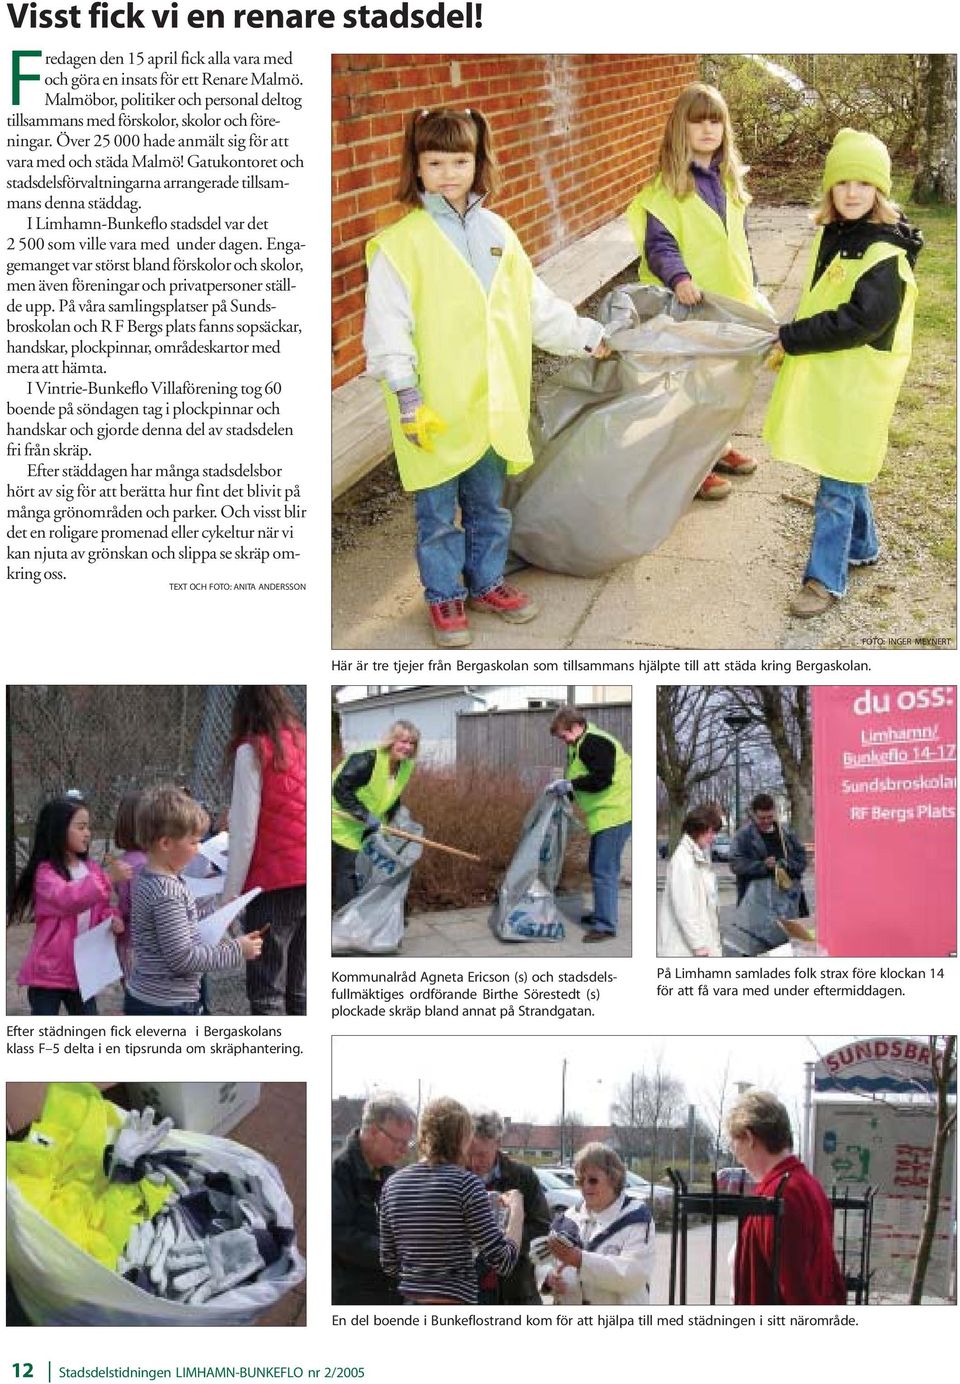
(473, 351)
(717, 255)
(830, 411)
(611, 807)
(378, 795)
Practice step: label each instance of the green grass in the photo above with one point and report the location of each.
(916, 491)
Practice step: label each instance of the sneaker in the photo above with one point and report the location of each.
(734, 463)
(812, 599)
(714, 488)
(595, 935)
(448, 621)
(506, 601)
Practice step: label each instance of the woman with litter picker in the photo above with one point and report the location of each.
(367, 788)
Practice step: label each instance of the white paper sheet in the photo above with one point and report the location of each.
(213, 928)
(95, 959)
(204, 888)
(217, 850)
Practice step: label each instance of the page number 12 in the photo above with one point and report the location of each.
(23, 1371)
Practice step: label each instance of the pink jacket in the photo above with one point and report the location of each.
(57, 903)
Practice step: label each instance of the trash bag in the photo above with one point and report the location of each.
(58, 1284)
(623, 445)
(525, 909)
(760, 914)
(373, 921)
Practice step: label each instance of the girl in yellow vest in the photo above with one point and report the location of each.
(367, 787)
(689, 226)
(453, 309)
(844, 358)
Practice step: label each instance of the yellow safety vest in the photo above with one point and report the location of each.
(717, 256)
(473, 351)
(612, 806)
(377, 796)
(830, 410)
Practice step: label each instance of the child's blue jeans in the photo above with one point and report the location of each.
(469, 558)
(844, 534)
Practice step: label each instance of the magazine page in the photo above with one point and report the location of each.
(642, 370)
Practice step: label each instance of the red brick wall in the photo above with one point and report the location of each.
(575, 135)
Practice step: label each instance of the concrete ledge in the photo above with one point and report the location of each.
(361, 437)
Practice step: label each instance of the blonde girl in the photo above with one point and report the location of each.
(453, 309)
(844, 358)
(689, 225)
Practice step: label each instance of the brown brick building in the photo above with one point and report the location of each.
(575, 134)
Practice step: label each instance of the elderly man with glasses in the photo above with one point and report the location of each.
(382, 1140)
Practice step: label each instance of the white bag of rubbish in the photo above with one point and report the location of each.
(623, 445)
(372, 923)
(59, 1284)
(525, 909)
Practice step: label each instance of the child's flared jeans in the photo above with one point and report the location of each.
(844, 534)
(469, 558)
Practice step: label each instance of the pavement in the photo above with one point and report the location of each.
(692, 592)
(466, 932)
(737, 942)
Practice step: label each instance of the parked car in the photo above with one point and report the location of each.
(720, 850)
(735, 1180)
(639, 1187)
(561, 1170)
(559, 1196)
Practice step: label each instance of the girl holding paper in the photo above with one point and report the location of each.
(68, 894)
(169, 957)
(268, 843)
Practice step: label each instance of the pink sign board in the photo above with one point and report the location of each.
(885, 820)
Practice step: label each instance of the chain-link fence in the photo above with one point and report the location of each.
(105, 741)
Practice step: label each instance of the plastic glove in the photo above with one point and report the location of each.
(210, 1267)
(422, 427)
(561, 787)
(371, 826)
(137, 1248)
(775, 358)
(138, 1137)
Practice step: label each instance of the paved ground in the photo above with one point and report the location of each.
(691, 593)
(466, 932)
(226, 989)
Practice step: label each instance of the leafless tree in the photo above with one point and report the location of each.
(943, 1073)
(693, 743)
(784, 714)
(645, 1109)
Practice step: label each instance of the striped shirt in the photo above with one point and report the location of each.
(434, 1219)
(168, 956)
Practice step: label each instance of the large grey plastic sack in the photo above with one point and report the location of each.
(525, 909)
(623, 445)
(58, 1284)
(373, 921)
(762, 909)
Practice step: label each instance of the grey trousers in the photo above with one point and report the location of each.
(277, 978)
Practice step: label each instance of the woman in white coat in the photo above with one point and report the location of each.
(604, 1247)
(689, 922)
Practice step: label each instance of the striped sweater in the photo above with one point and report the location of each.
(434, 1219)
(168, 956)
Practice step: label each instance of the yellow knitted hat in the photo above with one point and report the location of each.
(856, 156)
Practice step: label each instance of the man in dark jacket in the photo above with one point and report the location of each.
(499, 1173)
(359, 1172)
(762, 845)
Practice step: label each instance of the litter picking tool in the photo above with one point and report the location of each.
(420, 840)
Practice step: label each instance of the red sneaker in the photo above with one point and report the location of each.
(506, 601)
(448, 621)
(734, 463)
(714, 487)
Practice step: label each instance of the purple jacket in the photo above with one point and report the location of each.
(57, 904)
(660, 250)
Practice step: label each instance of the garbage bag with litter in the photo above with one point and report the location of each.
(213, 1244)
(526, 909)
(373, 921)
(622, 445)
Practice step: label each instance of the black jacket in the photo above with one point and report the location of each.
(357, 1275)
(749, 851)
(520, 1287)
(599, 757)
(357, 771)
(870, 317)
